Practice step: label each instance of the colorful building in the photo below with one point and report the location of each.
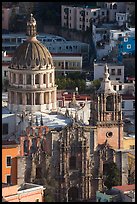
(126, 45)
(10, 151)
(27, 192)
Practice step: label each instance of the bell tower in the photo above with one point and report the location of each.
(106, 114)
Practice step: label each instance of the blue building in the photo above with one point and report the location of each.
(126, 45)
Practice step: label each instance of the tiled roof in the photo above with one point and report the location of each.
(125, 188)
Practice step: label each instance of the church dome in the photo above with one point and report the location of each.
(31, 54)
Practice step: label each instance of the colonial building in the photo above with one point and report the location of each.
(67, 156)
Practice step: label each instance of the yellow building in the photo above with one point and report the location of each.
(128, 143)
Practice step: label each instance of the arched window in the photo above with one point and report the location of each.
(14, 78)
(20, 79)
(37, 79)
(28, 79)
(115, 6)
(28, 98)
(109, 103)
(19, 95)
(37, 98)
(44, 78)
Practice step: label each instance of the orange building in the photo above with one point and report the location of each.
(10, 151)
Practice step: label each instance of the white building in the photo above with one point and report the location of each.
(121, 18)
(128, 105)
(115, 34)
(64, 63)
(55, 44)
(113, 8)
(116, 71)
(79, 17)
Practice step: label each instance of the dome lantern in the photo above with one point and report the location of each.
(31, 27)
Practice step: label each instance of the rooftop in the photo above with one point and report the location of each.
(125, 188)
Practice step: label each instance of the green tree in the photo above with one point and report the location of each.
(112, 175)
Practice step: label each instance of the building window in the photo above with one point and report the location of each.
(87, 20)
(44, 78)
(79, 26)
(70, 25)
(132, 146)
(8, 179)
(70, 18)
(28, 95)
(37, 98)
(5, 128)
(128, 46)
(115, 87)
(109, 103)
(5, 73)
(20, 78)
(123, 104)
(94, 13)
(72, 162)
(115, 6)
(119, 71)
(133, 104)
(117, 79)
(120, 87)
(37, 79)
(103, 13)
(50, 78)
(28, 79)
(8, 161)
(112, 71)
(80, 19)
(87, 13)
(14, 78)
(37, 200)
(69, 11)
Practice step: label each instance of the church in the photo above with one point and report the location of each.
(58, 151)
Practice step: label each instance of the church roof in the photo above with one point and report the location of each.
(31, 54)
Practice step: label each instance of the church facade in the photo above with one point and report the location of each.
(69, 161)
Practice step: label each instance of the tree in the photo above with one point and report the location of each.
(112, 175)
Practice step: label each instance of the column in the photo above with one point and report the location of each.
(99, 109)
(23, 99)
(41, 98)
(24, 79)
(32, 79)
(53, 79)
(102, 107)
(49, 97)
(33, 98)
(47, 81)
(16, 99)
(32, 102)
(114, 102)
(41, 79)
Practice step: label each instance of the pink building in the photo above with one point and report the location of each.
(27, 192)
